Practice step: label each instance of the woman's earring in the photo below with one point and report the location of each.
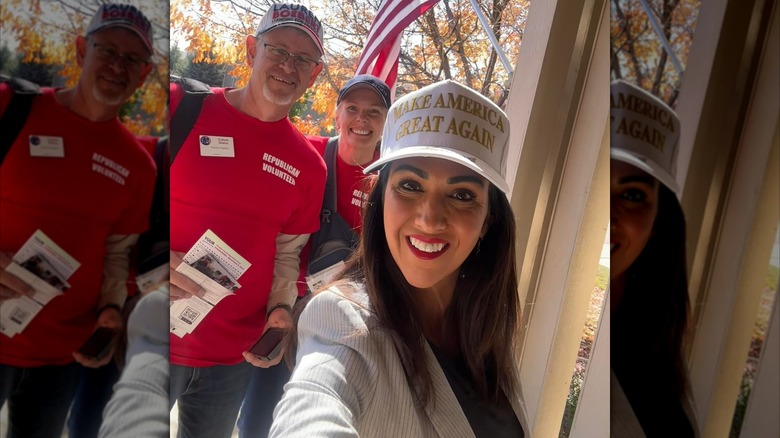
(478, 244)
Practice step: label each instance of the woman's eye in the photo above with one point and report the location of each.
(352, 109)
(409, 186)
(463, 195)
(634, 195)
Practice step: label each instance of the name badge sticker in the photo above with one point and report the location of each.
(214, 146)
(319, 279)
(45, 146)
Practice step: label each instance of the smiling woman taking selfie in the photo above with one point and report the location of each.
(416, 336)
(648, 287)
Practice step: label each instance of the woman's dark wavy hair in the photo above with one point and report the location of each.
(648, 332)
(484, 310)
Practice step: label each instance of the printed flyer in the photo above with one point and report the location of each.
(46, 268)
(216, 267)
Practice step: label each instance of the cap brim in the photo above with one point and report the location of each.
(469, 161)
(359, 85)
(648, 166)
(145, 40)
(311, 34)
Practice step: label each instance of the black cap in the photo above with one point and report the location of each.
(372, 81)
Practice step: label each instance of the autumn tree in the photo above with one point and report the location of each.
(177, 61)
(7, 59)
(205, 70)
(35, 71)
(636, 50)
(447, 42)
(43, 35)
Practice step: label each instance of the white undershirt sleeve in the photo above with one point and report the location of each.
(286, 268)
(116, 265)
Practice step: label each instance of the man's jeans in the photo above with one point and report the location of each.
(92, 395)
(263, 394)
(208, 398)
(38, 398)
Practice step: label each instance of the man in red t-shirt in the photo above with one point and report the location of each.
(361, 110)
(245, 173)
(79, 176)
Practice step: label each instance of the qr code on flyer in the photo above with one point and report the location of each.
(189, 315)
(19, 315)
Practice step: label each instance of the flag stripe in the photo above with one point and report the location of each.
(383, 44)
(386, 27)
(385, 18)
(391, 54)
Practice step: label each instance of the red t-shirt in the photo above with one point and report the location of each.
(102, 186)
(350, 194)
(273, 185)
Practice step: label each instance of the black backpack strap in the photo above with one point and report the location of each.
(160, 200)
(187, 112)
(16, 113)
(329, 200)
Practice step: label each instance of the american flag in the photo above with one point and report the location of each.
(383, 46)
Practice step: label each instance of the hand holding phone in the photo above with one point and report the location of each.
(269, 345)
(99, 343)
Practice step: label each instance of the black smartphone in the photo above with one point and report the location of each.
(99, 343)
(268, 346)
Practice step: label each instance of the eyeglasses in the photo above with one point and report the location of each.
(109, 54)
(277, 54)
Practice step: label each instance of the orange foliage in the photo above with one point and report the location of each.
(637, 53)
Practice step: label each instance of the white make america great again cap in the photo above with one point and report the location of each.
(449, 121)
(644, 132)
